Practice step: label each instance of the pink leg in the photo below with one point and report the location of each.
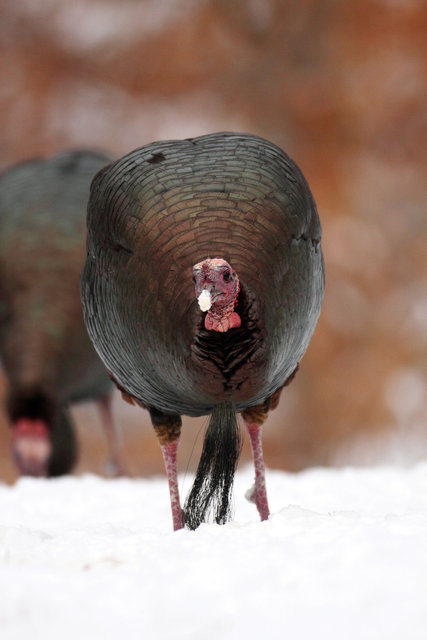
(258, 493)
(169, 451)
(116, 464)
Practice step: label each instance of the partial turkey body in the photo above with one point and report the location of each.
(227, 221)
(45, 351)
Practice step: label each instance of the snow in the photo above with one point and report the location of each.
(344, 555)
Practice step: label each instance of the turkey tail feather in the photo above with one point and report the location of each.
(211, 491)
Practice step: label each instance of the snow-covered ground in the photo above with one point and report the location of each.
(344, 556)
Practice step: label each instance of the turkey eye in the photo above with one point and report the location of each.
(227, 276)
(194, 279)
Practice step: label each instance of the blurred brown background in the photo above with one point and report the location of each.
(339, 85)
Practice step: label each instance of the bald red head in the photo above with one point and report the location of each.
(217, 288)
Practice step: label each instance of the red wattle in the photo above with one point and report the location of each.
(25, 427)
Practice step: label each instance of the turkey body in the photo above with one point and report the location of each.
(165, 207)
(45, 351)
(169, 205)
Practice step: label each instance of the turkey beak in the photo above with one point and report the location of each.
(205, 300)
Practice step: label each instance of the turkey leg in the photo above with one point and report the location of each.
(116, 465)
(258, 492)
(254, 418)
(168, 430)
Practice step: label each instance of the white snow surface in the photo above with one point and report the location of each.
(343, 555)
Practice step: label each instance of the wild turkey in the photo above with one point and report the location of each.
(227, 221)
(45, 351)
